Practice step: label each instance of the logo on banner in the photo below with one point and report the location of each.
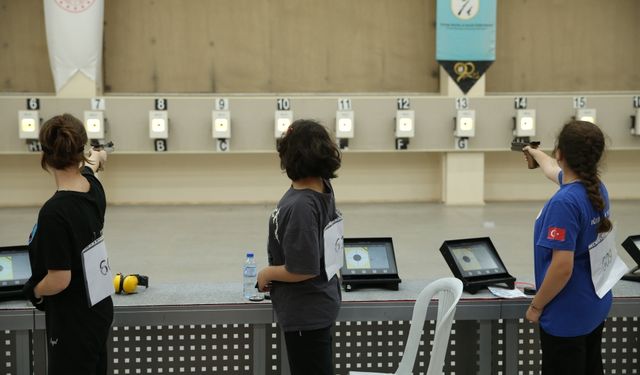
(465, 73)
(556, 234)
(465, 70)
(465, 9)
(75, 6)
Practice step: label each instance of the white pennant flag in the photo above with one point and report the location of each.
(74, 38)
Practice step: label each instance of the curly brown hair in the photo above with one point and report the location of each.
(63, 138)
(307, 150)
(582, 146)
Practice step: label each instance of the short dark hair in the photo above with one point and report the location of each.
(63, 139)
(307, 150)
(582, 145)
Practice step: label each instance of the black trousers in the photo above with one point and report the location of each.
(310, 352)
(77, 339)
(579, 355)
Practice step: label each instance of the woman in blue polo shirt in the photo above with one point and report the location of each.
(570, 314)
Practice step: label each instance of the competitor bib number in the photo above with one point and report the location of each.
(606, 266)
(333, 247)
(98, 279)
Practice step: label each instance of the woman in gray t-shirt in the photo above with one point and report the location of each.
(306, 303)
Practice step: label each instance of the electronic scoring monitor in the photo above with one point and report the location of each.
(475, 261)
(369, 262)
(632, 246)
(15, 270)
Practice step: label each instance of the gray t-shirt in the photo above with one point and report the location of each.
(296, 232)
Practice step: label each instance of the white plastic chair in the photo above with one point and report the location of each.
(449, 291)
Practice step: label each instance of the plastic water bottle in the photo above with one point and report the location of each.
(249, 273)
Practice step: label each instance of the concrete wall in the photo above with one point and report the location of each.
(328, 46)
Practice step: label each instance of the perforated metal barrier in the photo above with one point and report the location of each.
(360, 345)
(9, 352)
(181, 349)
(377, 346)
(620, 347)
(274, 350)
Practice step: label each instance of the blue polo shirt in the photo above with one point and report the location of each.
(569, 222)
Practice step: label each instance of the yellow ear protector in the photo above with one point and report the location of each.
(129, 283)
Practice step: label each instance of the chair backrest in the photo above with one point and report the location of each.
(449, 291)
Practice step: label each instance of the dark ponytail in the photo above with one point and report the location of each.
(63, 139)
(582, 146)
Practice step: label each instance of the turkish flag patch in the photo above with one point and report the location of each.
(556, 234)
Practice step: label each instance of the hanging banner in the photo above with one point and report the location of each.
(466, 39)
(74, 38)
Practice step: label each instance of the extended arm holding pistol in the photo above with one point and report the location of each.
(535, 158)
(99, 153)
(519, 146)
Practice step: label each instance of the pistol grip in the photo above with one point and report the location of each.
(531, 161)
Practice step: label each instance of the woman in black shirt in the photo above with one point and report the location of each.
(69, 221)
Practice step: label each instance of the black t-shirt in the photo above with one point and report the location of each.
(67, 223)
(296, 240)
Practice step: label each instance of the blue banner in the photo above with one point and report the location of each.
(466, 30)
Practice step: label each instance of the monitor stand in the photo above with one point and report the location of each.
(632, 275)
(11, 294)
(391, 284)
(474, 286)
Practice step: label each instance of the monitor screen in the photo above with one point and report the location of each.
(15, 268)
(368, 256)
(476, 259)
